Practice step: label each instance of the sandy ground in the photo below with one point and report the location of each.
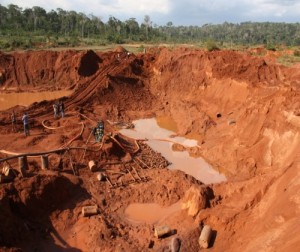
(244, 110)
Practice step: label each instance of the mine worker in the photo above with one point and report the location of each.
(13, 121)
(55, 109)
(62, 108)
(98, 131)
(26, 124)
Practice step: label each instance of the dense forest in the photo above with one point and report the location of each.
(28, 27)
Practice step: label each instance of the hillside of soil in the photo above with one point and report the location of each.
(243, 110)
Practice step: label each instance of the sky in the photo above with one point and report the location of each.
(179, 12)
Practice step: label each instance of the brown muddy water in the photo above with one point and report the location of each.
(9, 100)
(150, 213)
(161, 140)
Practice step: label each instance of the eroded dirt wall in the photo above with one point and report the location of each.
(45, 70)
(255, 100)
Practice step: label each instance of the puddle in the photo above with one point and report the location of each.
(166, 123)
(24, 99)
(160, 140)
(169, 124)
(150, 213)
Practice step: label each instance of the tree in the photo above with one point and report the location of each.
(53, 22)
(132, 27)
(15, 16)
(39, 17)
(147, 23)
(3, 16)
(63, 21)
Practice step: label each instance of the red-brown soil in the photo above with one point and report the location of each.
(245, 111)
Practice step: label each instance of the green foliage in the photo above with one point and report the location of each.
(271, 47)
(297, 53)
(212, 46)
(28, 44)
(69, 28)
(141, 48)
(288, 60)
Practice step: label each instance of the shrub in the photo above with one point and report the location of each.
(212, 46)
(271, 47)
(297, 53)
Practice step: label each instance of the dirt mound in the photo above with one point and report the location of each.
(27, 204)
(120, 49)
(242, 109)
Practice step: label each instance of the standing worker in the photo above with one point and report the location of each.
(13, 121)
(55, 109)
(98, 131)
(26, 124)
(62, 109)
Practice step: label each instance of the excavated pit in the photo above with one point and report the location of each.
(243, 112)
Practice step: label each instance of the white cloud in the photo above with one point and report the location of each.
(272, 9)
(187, 12)
(99, 6)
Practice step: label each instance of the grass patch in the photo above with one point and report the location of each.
(288, 60)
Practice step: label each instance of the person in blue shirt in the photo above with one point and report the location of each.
(26, 124)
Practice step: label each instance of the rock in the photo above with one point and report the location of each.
(89, 210)
(162, 231)
(205, 236)
(175, 244)
(178, 147)
(231, 121)
(194, 200)
(92, 165)
(100, 176)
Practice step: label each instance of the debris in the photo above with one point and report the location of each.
(162, 231)
(92, 165)
(231, 121)
(6, 170)
(134, 179)
(45, 163)
(89, 210)
(100, 176)
(151, 244)
(23, 165)
(74, 169)
(205, 236)
(175, 244)
(108, 180)
(194, 200)
(121, 125)
(5, 179)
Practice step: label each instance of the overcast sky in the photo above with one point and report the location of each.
(179, 12)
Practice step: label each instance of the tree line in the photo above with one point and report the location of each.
(25, 27)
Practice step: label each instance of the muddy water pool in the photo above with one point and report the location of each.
(150, 213)
(8, 100)
(161, 140)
